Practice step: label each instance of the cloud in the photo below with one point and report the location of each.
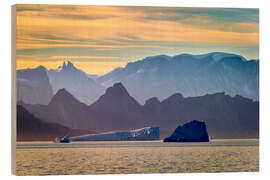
(45, 32)
(94, 31)
(233, 15)
(86, 57)
(206, 18)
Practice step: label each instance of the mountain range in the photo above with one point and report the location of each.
(220, 89)
(116, 109)
(192, 75)
(76, 82)
(156, 76)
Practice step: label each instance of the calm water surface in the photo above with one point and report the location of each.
(45, 158)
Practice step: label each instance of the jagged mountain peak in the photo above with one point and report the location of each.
(152, 101)
(64, 64)
(117, 98)
(62, 91)
(42, 68)
(173, 100)
(68, 66)
(118, 85)
(117, 90)
(63, 96)
(77, 82)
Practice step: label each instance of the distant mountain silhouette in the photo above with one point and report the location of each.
(33, 86)
(77, 82)
(192, 75)
(117, 110)
(225, 116)
(30, 128)
(64, 109)
(156, 76)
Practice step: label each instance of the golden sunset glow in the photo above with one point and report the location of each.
(88, 67)
(108, 36)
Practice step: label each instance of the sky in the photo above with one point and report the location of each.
(98, 39)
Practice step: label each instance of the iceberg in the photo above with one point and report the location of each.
(193, 131)
(143, 134)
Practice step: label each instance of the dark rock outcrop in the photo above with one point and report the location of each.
(194, 131)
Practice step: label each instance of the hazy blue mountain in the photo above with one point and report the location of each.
(64, 109)
(33, 86)
(76, 82)
(117, 110)
(192, 75)
(92, 76)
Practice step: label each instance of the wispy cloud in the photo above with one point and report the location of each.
(86, 57)
(50, 31)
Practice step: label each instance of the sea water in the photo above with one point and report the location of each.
(130, 157)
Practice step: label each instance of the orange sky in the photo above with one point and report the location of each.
(98, 39)
(88, 67)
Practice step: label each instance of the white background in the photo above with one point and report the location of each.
(5, 85)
